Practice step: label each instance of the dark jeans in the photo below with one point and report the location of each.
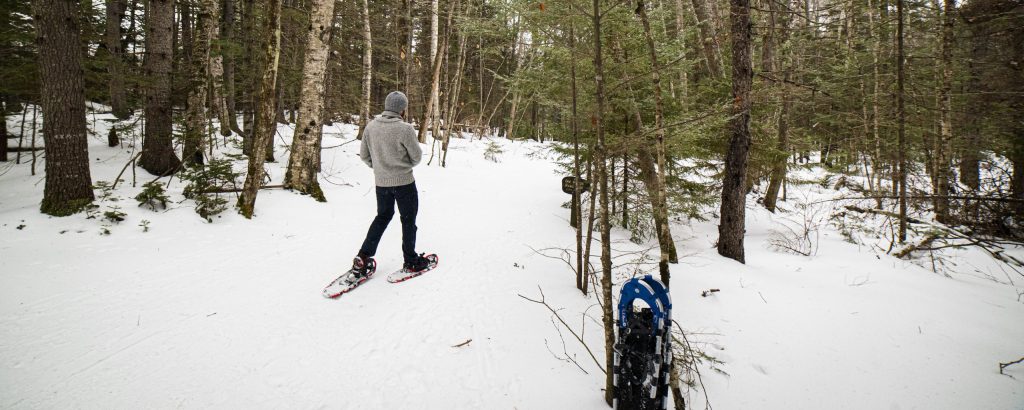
(408, 204)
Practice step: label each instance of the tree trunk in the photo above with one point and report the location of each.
(218, 100)
(660, 202)
(901, 121)
(302, 164)
(250, 22)
(708, 38)
(574, 219)
(228, 36)
(942, 146)
(68, 186)
(158, 156)
(970, 155)
(196, 119)
(453, 98)
(410, 53)
(778, 174)
(681, 37)
(733, 211)
(606, 251)
(115, 65)
(435, 76)
(3, 132)
(270, 44)
(434, 51)
(185, 8)
(364, 112)
(279, 105)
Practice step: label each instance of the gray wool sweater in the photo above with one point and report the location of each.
(391, 148)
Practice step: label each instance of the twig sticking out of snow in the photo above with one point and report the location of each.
(463, 343)
(555, 313)
(1005, 365)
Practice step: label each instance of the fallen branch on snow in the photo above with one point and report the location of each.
(1005, 365)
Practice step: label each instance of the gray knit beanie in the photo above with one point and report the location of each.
(396, 102)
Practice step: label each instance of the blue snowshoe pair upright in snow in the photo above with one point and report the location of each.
(364, 268)
(643, 347)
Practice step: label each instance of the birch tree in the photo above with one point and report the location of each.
(196, 118)
(302, 164)
(264, 127)
(364, 113)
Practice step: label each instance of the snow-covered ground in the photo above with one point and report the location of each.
(229, 314)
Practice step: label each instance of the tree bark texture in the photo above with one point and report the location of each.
(228, 35)
(158, 156)
(302, 164)
(364, 112)
(265, 127)
(115, 65)
(733, 211)
(901, 121)
(942, 162)
(68, 186)
(196, 118)
(708, 38)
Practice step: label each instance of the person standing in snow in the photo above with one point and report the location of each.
(391, 148)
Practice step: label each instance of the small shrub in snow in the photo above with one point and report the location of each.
(153, 194)
(205, 185)
(114, 215)
(493, 151)
(145, 225)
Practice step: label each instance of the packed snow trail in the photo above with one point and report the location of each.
(230, 315)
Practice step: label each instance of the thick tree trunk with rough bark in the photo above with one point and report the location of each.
(68, 186)
(115, 65)
(302, 164)
(158, 156)
(270, 46)
(196, 118)
(364, 111)
(733, 211)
